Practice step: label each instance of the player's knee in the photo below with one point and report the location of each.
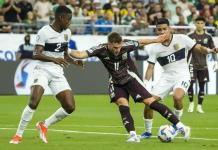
(34, 101)
(177, 98)
(70, 109)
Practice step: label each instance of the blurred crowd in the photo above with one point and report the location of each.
(126, 16)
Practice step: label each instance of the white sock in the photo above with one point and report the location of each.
(25, 119)
(132, 133)
(178, 113)
(59, 115)
(148, 125)
(179, 125)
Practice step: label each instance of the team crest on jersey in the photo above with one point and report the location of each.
(65, 37)
(205, 41)
(176, 46)
(124, 56)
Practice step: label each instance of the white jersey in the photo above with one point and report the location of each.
(172, 58)
(54, 44)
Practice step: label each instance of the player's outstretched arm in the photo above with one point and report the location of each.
(73, 61)
(159, 39)
(204, 50)
(78, 54)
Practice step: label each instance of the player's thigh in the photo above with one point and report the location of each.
(40, 78)
(59, 84)
(181, 87)
(203, 75)
(137, 90)
(116, 92)
(162, 88)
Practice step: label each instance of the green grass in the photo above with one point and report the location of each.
(94, 115)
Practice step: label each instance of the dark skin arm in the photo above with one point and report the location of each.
(39, 56)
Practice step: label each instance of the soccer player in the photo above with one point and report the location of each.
(172, 56)
(51, 46)
(198, 64)
(124, 82)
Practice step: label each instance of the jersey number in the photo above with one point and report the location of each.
(58, 47)
(116, 66)
(171, 58)
(185, 84)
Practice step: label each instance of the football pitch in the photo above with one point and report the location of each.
(96, 125)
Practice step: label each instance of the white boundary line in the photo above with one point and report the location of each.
(104, 126)
(104, 133)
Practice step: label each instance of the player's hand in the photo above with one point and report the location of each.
(162, 38)
(215, 66)
(215, 50)
(79, 63)
(62, 62)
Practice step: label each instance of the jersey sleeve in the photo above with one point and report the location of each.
(188, 42)
(131, 45)
(211, 43)
(41, 37)
(151, 53)
(94, 51)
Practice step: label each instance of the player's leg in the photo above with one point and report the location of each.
(159, 91)
(169, 115)
(120, 96)
(200, 97)
(178, 95)
(193, 74)
(203, 77)
(140, 94)
(148, 122)
(179, 90)
(191, 97)
(64, 95)
(37, 90)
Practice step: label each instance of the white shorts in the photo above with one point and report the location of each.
(56, 82)
(165, 85)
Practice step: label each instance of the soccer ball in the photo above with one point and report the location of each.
(166, 133)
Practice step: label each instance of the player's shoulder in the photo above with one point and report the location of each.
(45, 28)
(208, 34)
(191, 33)
(99, 47)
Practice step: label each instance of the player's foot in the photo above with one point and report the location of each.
(42, 131)
(16, 139)
(186, 132)
(191, 107)
(145, 135)
(199, 109)
(133, 139)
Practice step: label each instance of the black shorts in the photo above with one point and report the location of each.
(134, 87)
(200, 75)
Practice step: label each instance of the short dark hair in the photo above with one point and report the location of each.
(162, 21)
(114, 37)
(62, 10)
(200, 18)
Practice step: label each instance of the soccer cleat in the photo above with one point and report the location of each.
(186, 132)
(199, 109)
(42, 131)
(133, 139)
(145, 135)
(191, 107)
(16, 139)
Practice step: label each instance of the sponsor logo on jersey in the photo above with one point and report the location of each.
(124, 56)
(205, 41)
(176, 46)
(65, 37)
